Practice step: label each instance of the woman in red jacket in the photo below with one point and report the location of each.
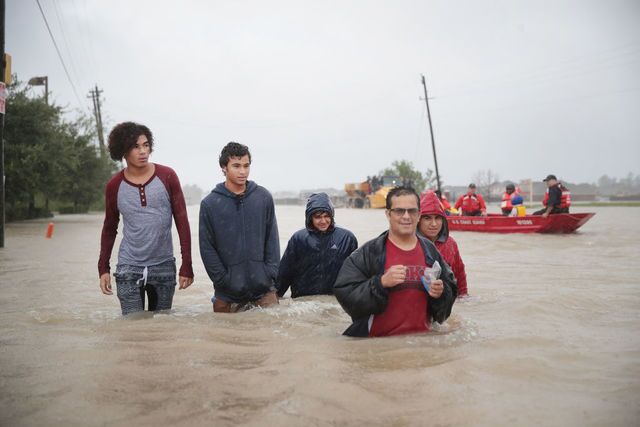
(434, 226)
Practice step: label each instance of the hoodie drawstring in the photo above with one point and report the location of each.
(143, 279)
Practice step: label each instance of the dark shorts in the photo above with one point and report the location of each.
(267, 300)
(159, 286)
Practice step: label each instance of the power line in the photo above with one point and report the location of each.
(550, 73)
(83, 27)
(72, 61)
(59, 55)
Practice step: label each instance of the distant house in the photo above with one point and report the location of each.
(452, 192)
(287, 198)
(337, 197)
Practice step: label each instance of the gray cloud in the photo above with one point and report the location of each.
(329, 92)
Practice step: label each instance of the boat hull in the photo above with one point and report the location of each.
(558, 223)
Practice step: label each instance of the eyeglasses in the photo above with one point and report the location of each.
(399, 212)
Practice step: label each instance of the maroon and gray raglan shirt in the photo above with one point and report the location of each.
(146, 211)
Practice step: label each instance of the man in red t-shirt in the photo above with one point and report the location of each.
(380, 286)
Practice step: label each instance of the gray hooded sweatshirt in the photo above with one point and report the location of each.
(239, 242)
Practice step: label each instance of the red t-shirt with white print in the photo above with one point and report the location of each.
(406, 310)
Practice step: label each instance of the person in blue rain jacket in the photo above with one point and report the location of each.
(315, 254)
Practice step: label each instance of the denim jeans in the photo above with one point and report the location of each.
(158, 282)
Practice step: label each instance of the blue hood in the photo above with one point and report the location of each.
(221, 189)
(315, 203)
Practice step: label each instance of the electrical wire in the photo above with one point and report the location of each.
(87, 37)
(70, 55)
(73, 86)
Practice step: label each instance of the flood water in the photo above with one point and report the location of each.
(550, 336)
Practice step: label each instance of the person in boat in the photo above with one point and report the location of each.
(445, 202)
(557, 199)
(147, 196)
(507, 199)
(434, 226)
(518, 205)
(379, 284)
(471, 203)
(239, 242)
(375, 183)
(314, 254)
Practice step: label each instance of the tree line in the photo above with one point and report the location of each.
(51, 163)
(405, 170)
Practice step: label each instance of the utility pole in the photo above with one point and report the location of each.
(433, 144)
(2, 66)
(95, 96)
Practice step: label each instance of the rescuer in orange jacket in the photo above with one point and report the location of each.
(557, 199)
(471, 204)
(507, 199)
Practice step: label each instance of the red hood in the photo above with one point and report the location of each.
(430, 205)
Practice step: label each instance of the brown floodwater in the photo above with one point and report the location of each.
(549, 336)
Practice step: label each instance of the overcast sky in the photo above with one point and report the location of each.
(328, 92)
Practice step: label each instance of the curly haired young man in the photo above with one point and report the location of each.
(147, 196)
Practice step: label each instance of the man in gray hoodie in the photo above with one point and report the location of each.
(239, 242)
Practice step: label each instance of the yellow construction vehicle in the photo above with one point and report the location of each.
(371, 193)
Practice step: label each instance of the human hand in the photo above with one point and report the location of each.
(436, 288)
(545, 215)
(185, 282)
(105, 284)
(395, 275)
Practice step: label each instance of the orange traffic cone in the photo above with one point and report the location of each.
(49, 230)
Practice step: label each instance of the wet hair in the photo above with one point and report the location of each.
(401, 191)
(124, 137)
(233, 149)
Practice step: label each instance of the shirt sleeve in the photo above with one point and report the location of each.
(483, 205)
(272, 241)
(353, 243)
(179, 209)
(287, 268)
(458, 202)
(213, 264)
(110, 225)
(459, 271)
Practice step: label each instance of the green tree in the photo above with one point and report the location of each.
(406, 171)
(28, 125)
(84, 173)
(48, 158)
(487, 183)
